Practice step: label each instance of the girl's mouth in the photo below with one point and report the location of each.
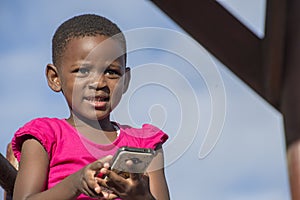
(97, 101)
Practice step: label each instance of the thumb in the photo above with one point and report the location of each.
(106, 159)
(100, 163)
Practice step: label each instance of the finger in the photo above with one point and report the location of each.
(96, 166)
(106, 159)
(101, 182)
(102, 173)
(135, 176)
(90, 191)
(107, 192)
(100, 163)
(91, 184)
(109, 196)
(114, 181)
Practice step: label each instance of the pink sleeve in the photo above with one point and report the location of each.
(37, 128)
(148, 136)
(154, 136)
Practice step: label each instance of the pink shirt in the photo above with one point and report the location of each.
(69, 151)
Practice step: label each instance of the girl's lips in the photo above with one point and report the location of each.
(97, 102)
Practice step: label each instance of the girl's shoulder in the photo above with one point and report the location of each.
(146, 130)
(45, 130)
(44, 124)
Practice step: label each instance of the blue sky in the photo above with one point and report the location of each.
(179, 91)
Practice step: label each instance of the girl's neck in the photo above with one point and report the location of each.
(101, 125)
(98, 131)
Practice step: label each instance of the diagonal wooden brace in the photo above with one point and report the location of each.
(7, 175)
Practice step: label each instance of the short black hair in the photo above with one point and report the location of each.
(81, 26)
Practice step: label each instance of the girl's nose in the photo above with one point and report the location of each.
(97, 82)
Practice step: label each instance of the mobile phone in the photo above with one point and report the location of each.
(131, 160)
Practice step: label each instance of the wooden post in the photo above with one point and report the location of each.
(7, 175)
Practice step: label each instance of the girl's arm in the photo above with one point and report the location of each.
(33, 174)
(158, 183)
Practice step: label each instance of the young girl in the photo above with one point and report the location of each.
(62, 158)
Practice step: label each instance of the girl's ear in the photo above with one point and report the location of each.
(53, 78)
(127, 79)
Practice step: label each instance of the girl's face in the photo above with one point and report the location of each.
(93, 76)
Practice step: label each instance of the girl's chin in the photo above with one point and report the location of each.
(92, 117)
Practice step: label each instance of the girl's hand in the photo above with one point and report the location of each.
(86, 180)
(136, 187)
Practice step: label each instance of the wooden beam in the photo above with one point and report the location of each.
(222, 35)
(290, 105)
(7, 175)
(273, 50)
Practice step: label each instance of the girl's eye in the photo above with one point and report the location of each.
(112, 73)
(83, 71)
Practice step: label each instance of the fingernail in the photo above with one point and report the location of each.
(106, 165)
(103, 171)
(109, 156)
(105, 195)
(97, 190)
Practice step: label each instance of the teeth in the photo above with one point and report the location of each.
(97, 99)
